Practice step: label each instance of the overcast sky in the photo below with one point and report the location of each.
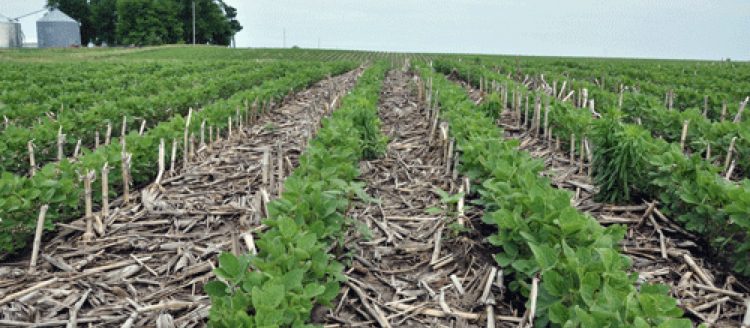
(701, 29)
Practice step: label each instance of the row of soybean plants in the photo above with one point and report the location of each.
(722, 142)
(292, 270)
(704, 204)
(65, 77)
(57, 184)
(629, 165)
(200, 89)
(692, 84)
(583, 280)
(259, 54)
(26, 101)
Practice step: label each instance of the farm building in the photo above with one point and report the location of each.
(57, 30)
(10, 33)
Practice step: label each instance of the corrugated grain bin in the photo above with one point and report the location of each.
(56, 29)
(10, 34)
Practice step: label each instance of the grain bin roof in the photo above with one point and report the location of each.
(54, 15)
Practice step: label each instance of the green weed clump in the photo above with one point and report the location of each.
(619, 159)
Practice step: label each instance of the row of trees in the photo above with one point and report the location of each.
(152, 22)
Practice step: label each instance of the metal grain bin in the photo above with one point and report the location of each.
(10, 34)
(56, 29)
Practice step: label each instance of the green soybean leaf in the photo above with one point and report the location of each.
(229, 266)
(287, 227)
(216, 288)
(546, 257)
(268, 297)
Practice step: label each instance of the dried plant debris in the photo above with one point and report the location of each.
(661, 251)
(412, 263)
(156, 252)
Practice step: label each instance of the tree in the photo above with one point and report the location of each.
(147, 22)
(231, 14)
(104, 21)
(215, 21)
(151, 22)
(78, 10)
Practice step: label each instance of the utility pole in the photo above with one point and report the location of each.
(284, 38)
(318, 43)
(193, 22)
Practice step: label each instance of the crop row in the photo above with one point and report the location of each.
(584, 280)
(629, 164)
(57, 184)
(272, 54)
(293, 270)
(83, 125)
(25, 102)
(66, 75)
(694, 85)
(714, 140)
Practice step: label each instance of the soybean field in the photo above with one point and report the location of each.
(191, 186)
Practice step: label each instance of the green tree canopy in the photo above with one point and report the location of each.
(215, 22)
(151, 22)
(147, 22)
(104, 21)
